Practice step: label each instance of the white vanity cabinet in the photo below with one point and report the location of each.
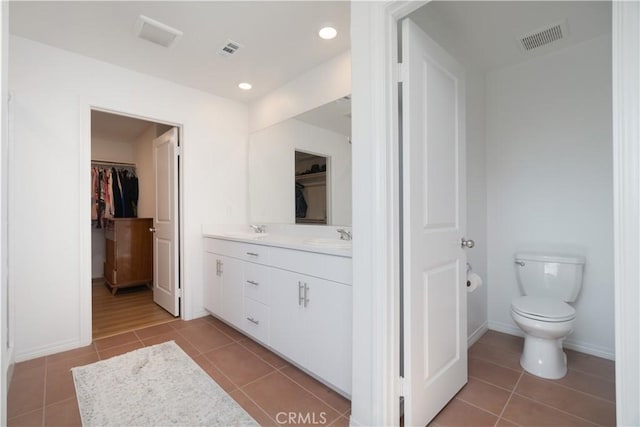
(296, 302)
(311, 324)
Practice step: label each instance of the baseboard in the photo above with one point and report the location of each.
(47, 350)
(582, 347)
(199, 314)
(475, 335)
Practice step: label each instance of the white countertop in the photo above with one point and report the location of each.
(310, 242)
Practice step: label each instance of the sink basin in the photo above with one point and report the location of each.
(329, 243)
(245, 235)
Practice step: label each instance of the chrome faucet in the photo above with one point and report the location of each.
(258, 228)
(344, 234)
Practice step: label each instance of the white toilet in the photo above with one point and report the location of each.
(548, 283)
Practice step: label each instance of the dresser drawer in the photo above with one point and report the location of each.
(256, 282)
(256, 320)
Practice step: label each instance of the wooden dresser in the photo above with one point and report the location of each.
(129, 257)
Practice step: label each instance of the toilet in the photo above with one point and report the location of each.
(548, 282)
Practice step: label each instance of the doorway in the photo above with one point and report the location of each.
(124, 215)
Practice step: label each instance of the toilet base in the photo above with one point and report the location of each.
(544, 357)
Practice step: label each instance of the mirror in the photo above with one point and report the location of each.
(296, 151)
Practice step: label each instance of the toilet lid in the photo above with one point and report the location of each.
(543, 308)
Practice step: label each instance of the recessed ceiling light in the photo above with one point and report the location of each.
(328, 33)
(245, 86)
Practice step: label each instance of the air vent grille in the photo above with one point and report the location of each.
(543, 37)
(230, 48)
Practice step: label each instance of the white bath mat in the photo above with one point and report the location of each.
(153, 386)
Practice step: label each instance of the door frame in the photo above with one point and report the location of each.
(84, 209)
(376, 269)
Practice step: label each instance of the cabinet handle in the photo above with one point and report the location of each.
(254, 321)
(252, 254)
(306, 295)
(251, 282)
(300, 296)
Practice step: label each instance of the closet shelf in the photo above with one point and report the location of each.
(311, 177)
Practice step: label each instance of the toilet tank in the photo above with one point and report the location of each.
(550, 275)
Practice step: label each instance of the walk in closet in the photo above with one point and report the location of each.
(122, 210)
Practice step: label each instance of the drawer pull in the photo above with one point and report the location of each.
(254, 321)
(251, 282)
(300, 296)
(306, 295)
(252, 254)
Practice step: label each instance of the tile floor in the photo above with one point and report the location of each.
(498, 392)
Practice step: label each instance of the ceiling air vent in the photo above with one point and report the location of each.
(156, 32)
(544, 36)
(230, 48)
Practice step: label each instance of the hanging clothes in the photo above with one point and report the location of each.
(114, 193)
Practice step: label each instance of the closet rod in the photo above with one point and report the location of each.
(105, 162)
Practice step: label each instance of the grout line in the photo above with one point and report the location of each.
(492, 384)
(314, 395)
(475, 406)
(555, 409)
(510, 396)
(258, 406)
(494, 363)
(44, 392)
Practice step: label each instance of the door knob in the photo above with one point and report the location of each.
(152, 229)
(467, 243)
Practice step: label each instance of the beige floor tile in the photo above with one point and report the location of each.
(30, 419)
(280, 398)
(459, 413)
(493, 374)
(239, 364)
(526, 412)
(321, 391)
(62, 414)
(593, 409)
(485, 396)
(205, 337)
(115, 341)
(261, 417)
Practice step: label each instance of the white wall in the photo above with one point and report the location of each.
(6, 309)
(104, 147)
(50, 231)
(272, 164)
(318, 86)
(549, 180)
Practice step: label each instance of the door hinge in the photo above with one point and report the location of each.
(179, 292)
(400, 386)
(402, 69)
(178, 151)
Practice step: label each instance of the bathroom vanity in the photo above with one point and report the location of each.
(291, 293)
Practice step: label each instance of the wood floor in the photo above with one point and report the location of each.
(129, 309)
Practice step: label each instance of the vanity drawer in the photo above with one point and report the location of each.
(255, 321)
(245, 251)
(256, 282)
(330, 267)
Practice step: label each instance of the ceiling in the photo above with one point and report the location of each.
(279, 39)
(116, 127)
(486, 33)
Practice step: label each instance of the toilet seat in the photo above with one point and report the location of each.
(543, 309)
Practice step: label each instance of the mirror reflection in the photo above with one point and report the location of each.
(305, 158)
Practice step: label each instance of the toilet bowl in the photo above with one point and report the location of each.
(545, 329)
(548, 283)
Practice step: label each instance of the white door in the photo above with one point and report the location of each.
(434, 281)
(166, 291)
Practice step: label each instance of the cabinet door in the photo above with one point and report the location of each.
(212, 293)
(327, 331)
(287, 313)
(232, 284)
(311, 324)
